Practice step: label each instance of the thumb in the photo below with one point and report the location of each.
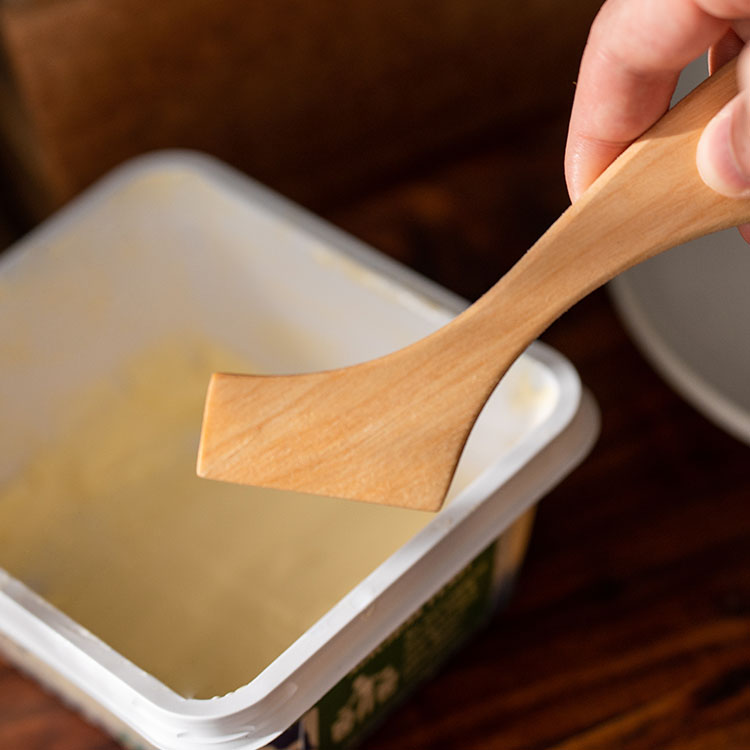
(723, 155)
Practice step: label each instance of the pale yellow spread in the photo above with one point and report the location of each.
(200, 583)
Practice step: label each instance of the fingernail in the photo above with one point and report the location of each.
(723, 154)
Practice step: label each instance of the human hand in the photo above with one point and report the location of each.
(633, 58)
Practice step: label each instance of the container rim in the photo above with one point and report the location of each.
(257, 712)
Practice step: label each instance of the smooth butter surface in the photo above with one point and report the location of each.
(200, 583)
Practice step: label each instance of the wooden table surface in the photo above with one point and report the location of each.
(630, 624)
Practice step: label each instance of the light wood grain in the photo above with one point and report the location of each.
(636, 586)
(392, 430)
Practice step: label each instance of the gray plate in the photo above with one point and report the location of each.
(689, 311)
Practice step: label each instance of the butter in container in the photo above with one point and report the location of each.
(184, 614)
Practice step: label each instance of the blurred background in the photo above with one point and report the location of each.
(329, 103)
(434, 131)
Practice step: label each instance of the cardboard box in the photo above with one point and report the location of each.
(315, 99)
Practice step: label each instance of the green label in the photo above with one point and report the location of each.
(350, 709)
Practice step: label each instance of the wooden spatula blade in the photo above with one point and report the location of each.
(391, 431)
(331, 434)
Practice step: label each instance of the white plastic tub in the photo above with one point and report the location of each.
(185, 614)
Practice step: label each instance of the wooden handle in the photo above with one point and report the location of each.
(391, 430)
(650, 199)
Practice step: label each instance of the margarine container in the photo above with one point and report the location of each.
(185, 614)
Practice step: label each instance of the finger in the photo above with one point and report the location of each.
(741, 27)
(723, 154)
(629, 69)
(726, 49)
